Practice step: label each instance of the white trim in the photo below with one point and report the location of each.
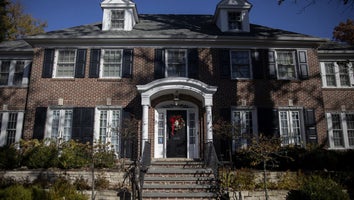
(337, 74)
(19, 125)
(167, 64)
(302, 136)
(55, 64)
(296, 63)
(344, 129)
(103, 51)
(49, 120)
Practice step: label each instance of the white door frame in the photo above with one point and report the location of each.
(160, 128)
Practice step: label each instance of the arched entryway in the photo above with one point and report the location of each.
(176, 120)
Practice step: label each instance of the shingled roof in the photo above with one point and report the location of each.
(171, 26)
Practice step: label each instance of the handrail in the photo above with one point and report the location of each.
(211, 159)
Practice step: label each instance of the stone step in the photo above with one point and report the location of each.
(189, 196)
(175, 188)
(179, 180)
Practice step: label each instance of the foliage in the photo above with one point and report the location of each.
(62, 189)
(41, 155)
(16, 192)
(238, 180)
(81, 184)
(10, 157)
(345, 32)
(15, 23)
(317, 188)
(101, 182)
(104, 156)
(74, 155)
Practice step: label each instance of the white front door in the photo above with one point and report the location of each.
(163, 136)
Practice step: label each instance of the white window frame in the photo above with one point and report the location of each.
(241, 141)
(344, 128)
(12, 71)
(4, 120)
(102, 62)
(337, 74)
(167, 63)
(61, 137)
(230, 21)
(249, 64)
(108, 136)
(296, 63)
(111, 19)
(56, 63)
(291, 138)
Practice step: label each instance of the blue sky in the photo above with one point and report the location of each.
(316, 20)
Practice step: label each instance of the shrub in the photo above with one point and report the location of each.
(10, 157)
(16, 192)
(242, 179)
(41, 155)
(81, 184)
(101, 183)
(317, 188)
(104, 157)
(74, 155)
(62, 189)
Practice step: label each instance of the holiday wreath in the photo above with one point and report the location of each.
(177, 123)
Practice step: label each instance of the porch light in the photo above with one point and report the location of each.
(176, 98)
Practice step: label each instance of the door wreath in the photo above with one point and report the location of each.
(177, 123)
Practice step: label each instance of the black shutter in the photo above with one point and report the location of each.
(193, 65)
(48, 63)
(272, 65)
(303, 66)
(95, 58)
(257, 63)
(225, 67)
(159, 70)
(39, 123)
(310, 126)
(268, 122)
(83, 123)
(127, 63)
(80, 63)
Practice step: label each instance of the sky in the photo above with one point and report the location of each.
(318, 19)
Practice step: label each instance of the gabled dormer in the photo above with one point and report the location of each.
(233, 15)
(119, 15)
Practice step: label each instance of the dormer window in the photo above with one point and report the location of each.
(235, 20)
(117, 19)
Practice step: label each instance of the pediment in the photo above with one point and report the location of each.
(117, 3)
(238, 4)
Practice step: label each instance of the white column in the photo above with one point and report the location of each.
(145, 127)
(209, 123)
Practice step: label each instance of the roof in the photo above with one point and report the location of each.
(16, 46)
(171, 26)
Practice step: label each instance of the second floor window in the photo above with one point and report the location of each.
(12, 72)
(112, 63)
(337, 74)
(176, 65)
(65, 65)
(286, 64)
(240, 64)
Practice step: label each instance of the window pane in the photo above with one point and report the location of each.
(235, 21)
(66, 63)
(330, 74)
(4, 72)
(112, 63)
(11, 129)
(117, 19)
(284, 127)
(350, 126)
(103, 126)
(344, 75)
(55, 124)
(240, 63)
(115, 124)
(295, 128)
(161, 128)
(192, 128)
(337, 130)
(68, 119)
(286, 65)
(176, 63)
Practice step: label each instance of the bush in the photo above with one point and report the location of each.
(62, 189)
(74, 155)
(317, 188)
(104, 157)
(242, 179)
(41, 156)
(10, 157)
(16, 192)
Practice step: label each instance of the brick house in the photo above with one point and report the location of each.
(176, 75)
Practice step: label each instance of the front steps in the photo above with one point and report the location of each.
(179, 179)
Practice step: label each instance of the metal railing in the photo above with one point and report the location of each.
(211, 159)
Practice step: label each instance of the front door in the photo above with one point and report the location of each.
(177, 134)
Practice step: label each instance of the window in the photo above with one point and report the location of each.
(337, 74)
(235, 20)
(290, 127)
(10, 127)
(244, 124)
(240, 64)
(286, 64)
(12, 72)
(176, 65)
(61, 124)
(65, 65)
(109, 127)
(112, 63)
(117, 19)
(341, 130)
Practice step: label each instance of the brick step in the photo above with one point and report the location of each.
(186, 196)
(179, 180)
(175, 188)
